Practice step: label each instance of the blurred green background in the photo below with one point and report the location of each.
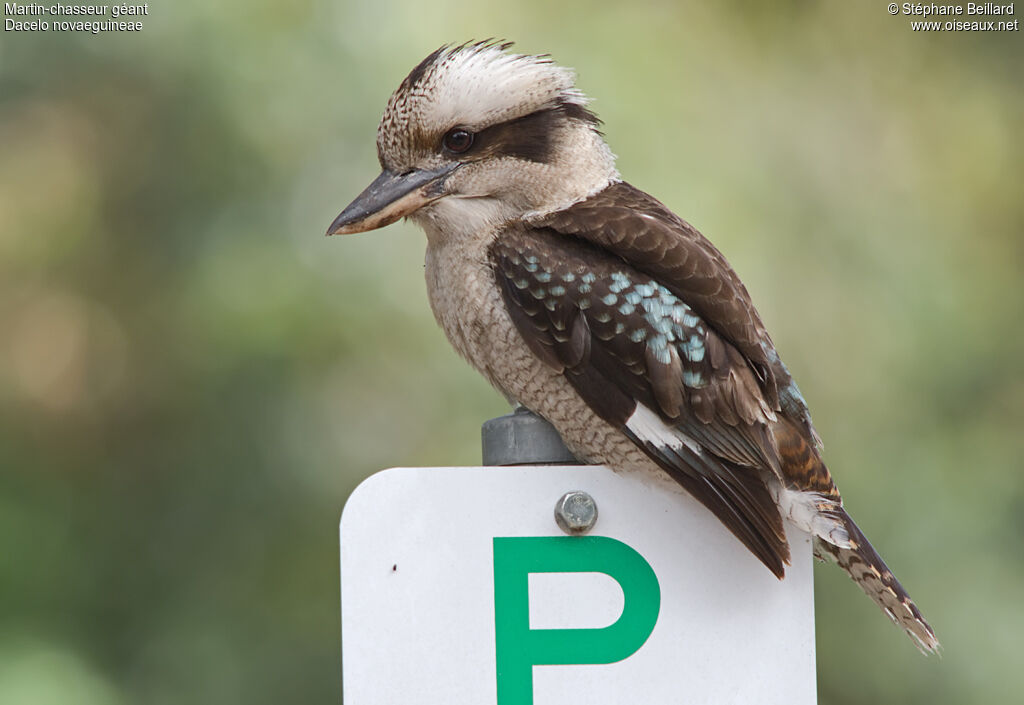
(192, 378)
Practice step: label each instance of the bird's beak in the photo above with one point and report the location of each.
(390, 197)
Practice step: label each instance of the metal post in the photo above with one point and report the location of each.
(523, 438)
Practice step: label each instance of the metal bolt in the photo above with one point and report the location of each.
(576, 512)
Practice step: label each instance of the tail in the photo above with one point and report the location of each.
(862, 563)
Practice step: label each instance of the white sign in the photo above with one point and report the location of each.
(457, 586)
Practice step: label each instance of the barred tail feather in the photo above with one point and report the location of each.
(862, 563)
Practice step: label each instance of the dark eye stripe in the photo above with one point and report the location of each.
(530, 137)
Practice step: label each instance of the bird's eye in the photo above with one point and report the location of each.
(457, 140)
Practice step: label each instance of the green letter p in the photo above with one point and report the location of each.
(519, 648)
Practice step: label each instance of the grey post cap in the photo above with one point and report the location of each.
(523, 438)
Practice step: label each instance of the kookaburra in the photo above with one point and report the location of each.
(592, 304)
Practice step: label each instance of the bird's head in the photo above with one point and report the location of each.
(476, 135)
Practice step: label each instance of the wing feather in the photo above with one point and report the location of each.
(635, 226)
(629, 346)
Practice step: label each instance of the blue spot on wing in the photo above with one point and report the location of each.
(693, 379)
(620, 282)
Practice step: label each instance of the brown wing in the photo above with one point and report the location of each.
(638, 228)
(647, 363)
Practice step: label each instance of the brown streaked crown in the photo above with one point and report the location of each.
(512, 104)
